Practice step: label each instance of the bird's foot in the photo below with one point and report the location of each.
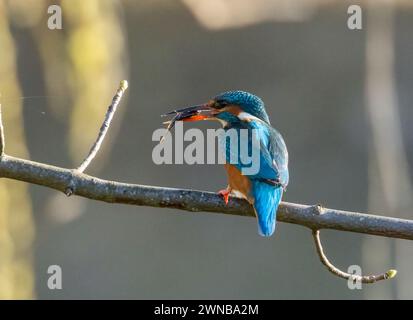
(225, 194)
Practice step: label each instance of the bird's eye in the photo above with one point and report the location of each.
(219, 104)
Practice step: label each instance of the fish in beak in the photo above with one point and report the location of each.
(193, 113)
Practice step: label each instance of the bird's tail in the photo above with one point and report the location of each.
(267, 198)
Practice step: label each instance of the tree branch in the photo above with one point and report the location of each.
(75, 181)
(84, 185)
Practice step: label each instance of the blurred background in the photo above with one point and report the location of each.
(341, 98)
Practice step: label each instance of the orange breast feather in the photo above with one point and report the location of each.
(238, 182)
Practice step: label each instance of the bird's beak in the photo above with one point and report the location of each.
(193, 113)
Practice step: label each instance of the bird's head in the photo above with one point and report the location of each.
(242, 104)
(227, 107)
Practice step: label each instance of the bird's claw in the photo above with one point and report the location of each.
(225, 195)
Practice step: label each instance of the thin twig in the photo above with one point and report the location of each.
(334, 270)
(2, 140)
(105, 126)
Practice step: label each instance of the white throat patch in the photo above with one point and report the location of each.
(245, 116)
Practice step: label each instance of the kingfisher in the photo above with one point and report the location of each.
(240, 110)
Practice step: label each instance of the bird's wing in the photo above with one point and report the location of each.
(267, 196)
(269, 145)
(277, 151)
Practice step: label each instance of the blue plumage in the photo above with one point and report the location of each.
(268, 184)
(267, 198)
